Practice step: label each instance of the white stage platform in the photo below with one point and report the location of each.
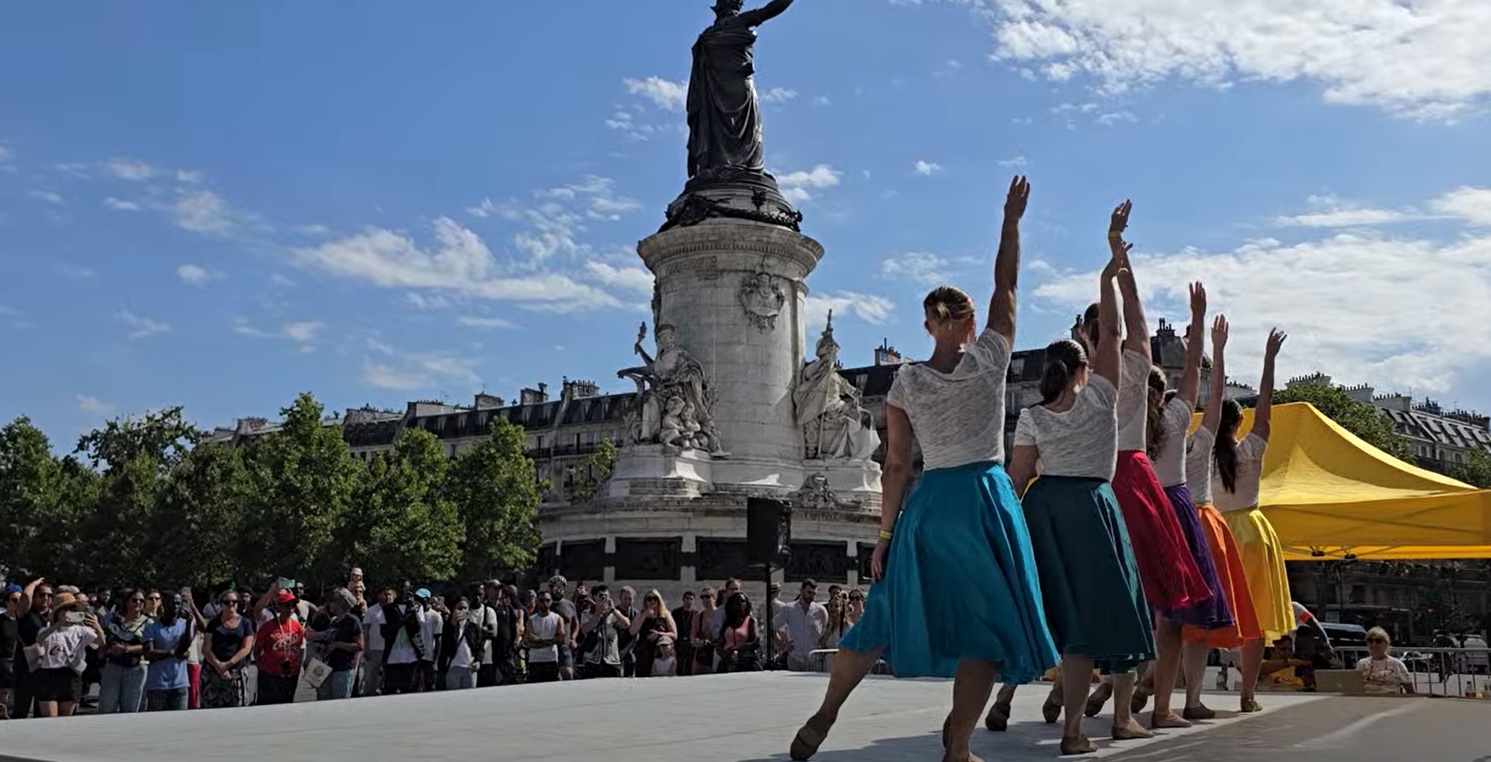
(744, 717)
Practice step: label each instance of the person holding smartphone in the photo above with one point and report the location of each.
(601, 634)
(60, 651)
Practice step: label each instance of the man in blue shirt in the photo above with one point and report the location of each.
(167, 641)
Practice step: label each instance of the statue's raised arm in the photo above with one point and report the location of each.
(761, 15)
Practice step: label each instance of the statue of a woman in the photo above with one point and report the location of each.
(723, 112)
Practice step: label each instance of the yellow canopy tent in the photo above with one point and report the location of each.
(1331, 495)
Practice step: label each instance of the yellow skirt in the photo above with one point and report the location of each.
(1263, 565)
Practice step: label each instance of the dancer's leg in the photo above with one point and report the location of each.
(1252, 662)
(1099, 697)
(1076, 675)
(971, 688)
(1166, 668)
(999, 714)
(1124, 726)
(1051, 709)
(1193, 659)
(850, 667)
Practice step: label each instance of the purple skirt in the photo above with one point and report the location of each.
(1213, 613)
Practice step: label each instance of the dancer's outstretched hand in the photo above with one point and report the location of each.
(1019, 196)
(1276, 339)
(1119, 222)
(1219, 328)
(1198, 299)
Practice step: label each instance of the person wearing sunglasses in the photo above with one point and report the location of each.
(122, 684)
(1382, 673)
(226, 644)
(31, 611)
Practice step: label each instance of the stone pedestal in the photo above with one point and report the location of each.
(734, 290)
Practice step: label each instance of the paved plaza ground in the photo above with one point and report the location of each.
(745, 718)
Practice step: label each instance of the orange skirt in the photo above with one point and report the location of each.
(1231, 574)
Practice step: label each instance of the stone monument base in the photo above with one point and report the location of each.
(650, 471)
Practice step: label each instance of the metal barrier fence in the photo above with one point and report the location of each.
(1464, 672)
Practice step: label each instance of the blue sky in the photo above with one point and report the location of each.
(221, 205)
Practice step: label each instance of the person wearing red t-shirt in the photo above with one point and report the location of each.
(279, 648)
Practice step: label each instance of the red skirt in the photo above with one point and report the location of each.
(1167, 569)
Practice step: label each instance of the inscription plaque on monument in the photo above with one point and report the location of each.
(585, 560)
(648, 558)
(823, 562)
(721, 558)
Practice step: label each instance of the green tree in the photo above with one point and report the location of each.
(1359, 418)
(404, 524)
(495, 489)
(114, 532)
(1477, 471)
(30, 477)
(301, 479)
(586, 479)
(1442, 609)
(196, 529)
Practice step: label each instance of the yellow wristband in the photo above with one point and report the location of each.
(884, 535)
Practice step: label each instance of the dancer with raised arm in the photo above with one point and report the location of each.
(1192, 625)
(1172, 582)
(1239, 474)
(1200, 467)
(1094, 600)
(956, 591)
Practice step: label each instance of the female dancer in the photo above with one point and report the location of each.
(1239, 472)
(1200, 466)
(961, 523)
(1090, 579)
(1172, 582)
(1192, 624)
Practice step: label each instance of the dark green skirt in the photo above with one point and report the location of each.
(1094, 602)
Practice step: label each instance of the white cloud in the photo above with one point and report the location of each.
(867, 307)
(121, 205)
(130, 169)
(918, 267)
(636, 279)
(47, 196)
(303, 333)
(207, 213)
(776, 95)
(625, 123)
(665, 94)
(74, 271)
(795, 185)
(1473, 205)
(1417, 58)
(188, 177)
(926, 167)
(556, 217)
(89, 404)
(1014, 161)
(821, 100)
(458, 264)
(474, 321)
(197, 275)
(141, 327)
(389, 368)
(5, 153)
(1370, 327)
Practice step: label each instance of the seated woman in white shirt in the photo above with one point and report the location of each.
(1382, 673)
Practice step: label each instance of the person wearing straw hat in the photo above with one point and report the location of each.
(59, 654)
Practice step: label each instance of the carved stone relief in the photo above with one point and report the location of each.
(762, 298)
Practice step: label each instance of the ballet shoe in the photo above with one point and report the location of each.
(1250, 705)
(809, 737)
(1198, 712)
(1051, 712)
(1141, 698)
(1132, 731)
(1167, 721)
(1098, 699)
(1078, 745)
(998, 719)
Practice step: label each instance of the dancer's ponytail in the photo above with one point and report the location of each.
(1063, 359)
(1225, 450)
(1154, 424)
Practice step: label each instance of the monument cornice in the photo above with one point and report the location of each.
(752, 240)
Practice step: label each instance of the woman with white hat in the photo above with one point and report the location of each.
(59, 653)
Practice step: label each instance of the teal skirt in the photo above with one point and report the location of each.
(1089, 578)
(960, 582)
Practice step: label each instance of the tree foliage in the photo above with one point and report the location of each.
(147, 501)
(495, 486)
(1359, 418)
(1477, 471)
(586, 480)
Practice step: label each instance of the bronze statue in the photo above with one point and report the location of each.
(724, 113)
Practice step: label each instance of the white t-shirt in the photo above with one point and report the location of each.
(543, 627)
(1387, 675)
(1170, 464)
(64, 646)
(431, 624)
(662, 667)
(402, 651)
(1080, 441)
(1199, 464)
(1249, 475)
(372, 627)
(461, 659)
(1133, 402)
(958, 417)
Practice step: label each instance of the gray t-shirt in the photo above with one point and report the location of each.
(958, 417)
(1133, 399)
(607, 646)
(1080, 441)
(1199, 464)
